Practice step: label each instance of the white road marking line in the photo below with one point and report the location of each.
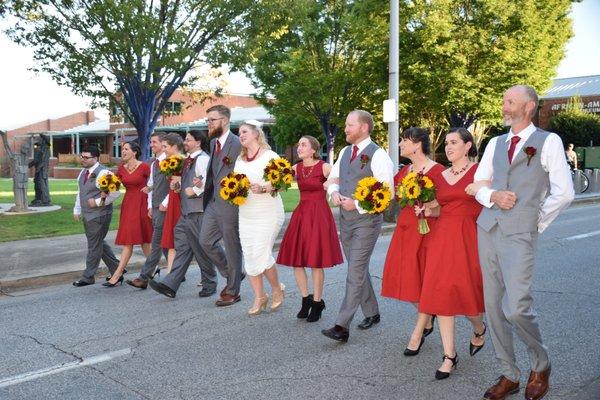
(29, 376)
(583, 236)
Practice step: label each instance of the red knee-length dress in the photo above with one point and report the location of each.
(405, 261)
(171, 218)
(452, 284)
(135, 227)
(311, 238)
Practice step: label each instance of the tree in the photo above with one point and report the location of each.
(459, 56)
(134, 52)
(575, 125)
(323, 63)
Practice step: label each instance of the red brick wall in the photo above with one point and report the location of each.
(551, 107)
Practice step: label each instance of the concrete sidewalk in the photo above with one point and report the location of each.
(46, 261)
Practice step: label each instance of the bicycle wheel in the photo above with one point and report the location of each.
(585, 182)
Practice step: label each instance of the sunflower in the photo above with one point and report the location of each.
(273, 176)
(287, 179)
(239, 200)
(367, 182)
(400, 192)
(224, 193)
(103, 181)
(379, 207)
(173, 163)
(361, 193)
(427, 182)
(112, 187)
(413, 191)
(409, 177)
(282, 163)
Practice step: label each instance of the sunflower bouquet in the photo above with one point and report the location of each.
(372, 195)
(235, 188)
(279, 174)
(416, 189)
(172, 165)
(108, 183)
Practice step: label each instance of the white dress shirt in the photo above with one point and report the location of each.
(150, 182)
(381, 165)
(200, 169)
(553, 161)
(112, 196)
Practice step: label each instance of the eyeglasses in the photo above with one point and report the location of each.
(211, 120)
(86, 157)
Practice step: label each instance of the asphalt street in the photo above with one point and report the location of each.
(62, 342)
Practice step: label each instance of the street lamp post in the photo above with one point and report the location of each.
(391, 106)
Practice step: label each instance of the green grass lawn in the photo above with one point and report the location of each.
(58, 223)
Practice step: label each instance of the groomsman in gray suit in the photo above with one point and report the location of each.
(530, 185)
(220, 217)
(358, 229)
(157, 189)
(95, 214)
(187, 230)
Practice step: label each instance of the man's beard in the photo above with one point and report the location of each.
(215, 132)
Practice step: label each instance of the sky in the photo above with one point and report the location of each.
(28, 97)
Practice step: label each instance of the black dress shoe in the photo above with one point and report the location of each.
(207, 292)
(369, 322)
(161, 288)
(428, 331)
(338, 333)
(81, 283)
(409, 352)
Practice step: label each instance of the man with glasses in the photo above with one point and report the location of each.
(96, 215)
(220, 217)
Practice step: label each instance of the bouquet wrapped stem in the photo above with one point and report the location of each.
(423, 225)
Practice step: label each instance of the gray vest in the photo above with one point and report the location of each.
(351, 173)
(529, 182)
(218, 169)
(190, 204)
(88, 191)
(160, 186)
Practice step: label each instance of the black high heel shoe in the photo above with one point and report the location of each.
(428, 331)
(409, 352)
(474, 349)
(305, 309)
(110, 276)
(316, 309)
(108, 284)
(443, 375)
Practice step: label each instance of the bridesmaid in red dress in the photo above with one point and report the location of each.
(311, 239)
(452, 284)
(135, 227)
(405, 260)
(172, 144)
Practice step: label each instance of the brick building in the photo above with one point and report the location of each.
(557, 97)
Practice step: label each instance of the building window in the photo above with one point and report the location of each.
(172, 108)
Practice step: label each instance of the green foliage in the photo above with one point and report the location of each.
(458, 57)
(576, 126)
(323, 62)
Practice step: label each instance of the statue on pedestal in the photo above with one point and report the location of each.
(41, 160)
(20, 172)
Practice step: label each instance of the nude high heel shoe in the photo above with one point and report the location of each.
(278, 298)
(262, 306)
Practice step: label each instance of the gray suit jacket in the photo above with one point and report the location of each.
(218, 167)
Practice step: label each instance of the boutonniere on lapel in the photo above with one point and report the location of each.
(364, 159)
(92, 176)
(226, 161)
(530, 151)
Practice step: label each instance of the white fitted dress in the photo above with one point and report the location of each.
(260, 217)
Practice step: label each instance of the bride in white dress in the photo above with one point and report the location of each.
(260, 217)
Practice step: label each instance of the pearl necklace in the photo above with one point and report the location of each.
(463, 169)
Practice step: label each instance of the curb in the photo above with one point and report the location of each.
(7, 286)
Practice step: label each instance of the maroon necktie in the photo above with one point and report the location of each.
(186, 165)
(354, 152)
(511, 150)
(86, 176)
(218, 151)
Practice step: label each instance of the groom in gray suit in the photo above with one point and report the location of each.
(358, 230)
(530, 185)
(220, 217)
(96, 216)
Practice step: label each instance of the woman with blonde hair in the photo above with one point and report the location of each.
(260, 217)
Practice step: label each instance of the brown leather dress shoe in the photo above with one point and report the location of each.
(137, 283)
(227, 300)
(537, 385)
(501, 389)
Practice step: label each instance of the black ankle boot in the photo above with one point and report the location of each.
(315, 311)
(306, 304)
